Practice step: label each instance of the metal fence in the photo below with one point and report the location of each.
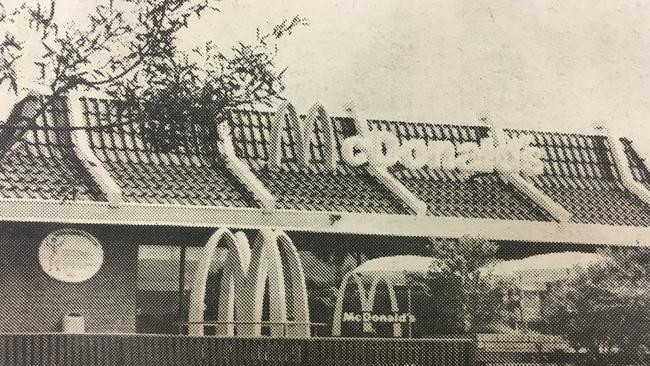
(159, 350)
(285, 327)
(545, 349)
(179, 350)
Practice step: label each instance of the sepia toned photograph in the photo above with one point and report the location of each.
(344, 182)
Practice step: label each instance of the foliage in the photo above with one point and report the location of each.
(118, 39)
(464, 301)
(463, 256)
(128, 48)
(606, 306)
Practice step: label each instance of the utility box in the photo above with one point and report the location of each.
(74, 323)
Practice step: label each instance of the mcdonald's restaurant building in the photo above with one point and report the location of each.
(249, 225)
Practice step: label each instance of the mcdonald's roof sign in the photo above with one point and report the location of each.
(97, 160)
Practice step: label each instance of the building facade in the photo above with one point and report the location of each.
(88, 185)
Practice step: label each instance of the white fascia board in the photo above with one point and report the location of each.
(621, 163)
(85, 154)
(84, 212)
(384, 177)
(241, 170)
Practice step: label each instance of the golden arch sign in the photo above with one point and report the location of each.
(272, 260)
(367, 300)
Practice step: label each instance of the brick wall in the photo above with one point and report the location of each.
(31, 301)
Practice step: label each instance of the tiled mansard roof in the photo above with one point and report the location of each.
(579, 171)
(153, 170)
(580, 174)
(447, 193)
(40, 164)
(314, 186)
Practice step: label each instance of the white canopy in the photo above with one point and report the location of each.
(396, 267)
(538, 270)
(398, 263)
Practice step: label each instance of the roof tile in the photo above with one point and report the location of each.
(156, 164)
(41, 164)
(310, 188)
(448, 193)
(580, 175)
(162, 164)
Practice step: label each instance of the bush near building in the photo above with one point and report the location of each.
(470, 304)
(606, 308)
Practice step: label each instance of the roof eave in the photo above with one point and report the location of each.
(317, 221)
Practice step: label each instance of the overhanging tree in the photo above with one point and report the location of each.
(129, 49)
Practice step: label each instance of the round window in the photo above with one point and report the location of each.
(70, 255)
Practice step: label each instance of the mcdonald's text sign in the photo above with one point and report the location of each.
(383, 149)
(379, 318)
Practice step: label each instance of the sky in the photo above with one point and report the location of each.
(549, 65)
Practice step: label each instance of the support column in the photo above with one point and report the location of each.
(181, 283)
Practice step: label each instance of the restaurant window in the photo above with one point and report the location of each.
(161, 308)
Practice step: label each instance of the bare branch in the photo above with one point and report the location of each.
(137, 57)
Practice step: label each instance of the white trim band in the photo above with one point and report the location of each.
(315, 221)
(85, 154)
(240, 170)
(621, 162)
